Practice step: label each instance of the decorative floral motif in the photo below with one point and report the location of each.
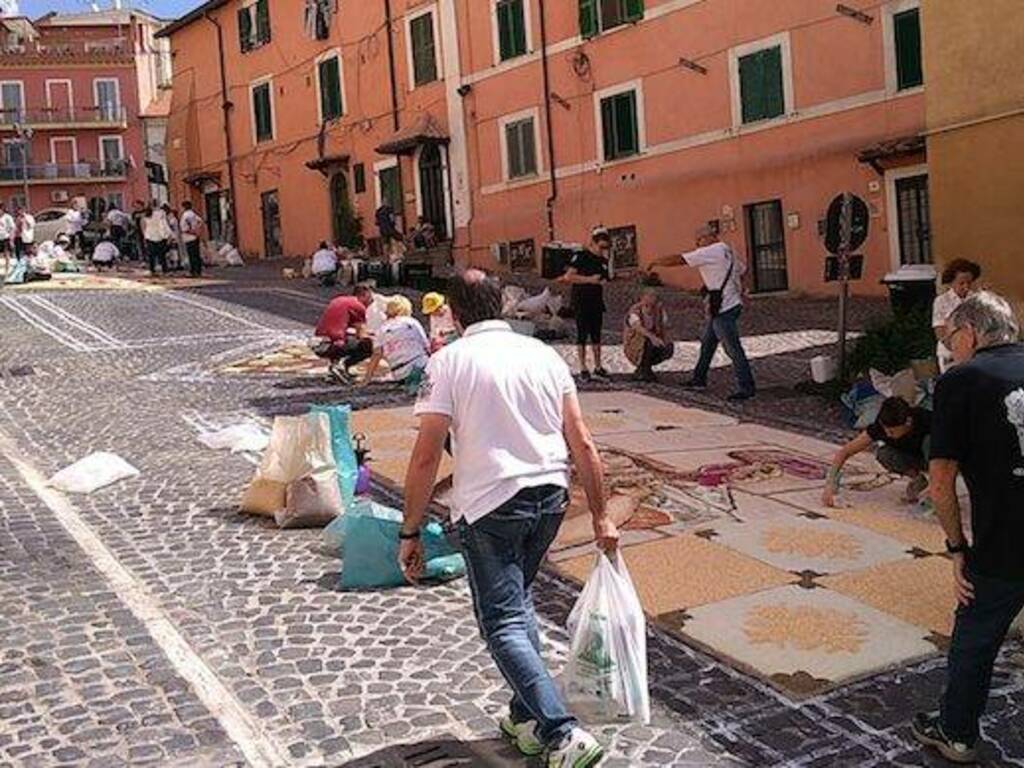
(806, 628)
(805, 542)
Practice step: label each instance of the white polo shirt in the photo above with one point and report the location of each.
(504, 393)
(713, 262)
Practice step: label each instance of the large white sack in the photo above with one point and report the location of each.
(92, 473)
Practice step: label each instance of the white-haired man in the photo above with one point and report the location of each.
(978, 431)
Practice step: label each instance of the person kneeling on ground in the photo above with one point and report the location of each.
(325, 264)
(105, 254)
(343, 333)
(905, 436)
(402, 342)
(442, 326)
(645, 337)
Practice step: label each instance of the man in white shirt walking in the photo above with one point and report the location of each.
(6, 232)
(510, 404)
(25, 227)
(191, 228)
(722, 273)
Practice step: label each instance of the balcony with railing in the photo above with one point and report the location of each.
(57, 173)
(63, 118)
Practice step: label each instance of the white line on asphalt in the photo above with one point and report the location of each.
(39, 324)
(75, 321)
(214, 310)
(248, 734)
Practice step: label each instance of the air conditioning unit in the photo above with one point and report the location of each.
(59, 196)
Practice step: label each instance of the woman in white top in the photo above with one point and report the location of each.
(401, 341)
(960, 275)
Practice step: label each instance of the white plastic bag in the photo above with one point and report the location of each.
(534, 305)
(92, 473)
(236, 438)
(606, 677)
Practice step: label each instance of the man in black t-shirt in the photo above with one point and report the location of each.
(903, 435)
(587, 270)
(978, 432)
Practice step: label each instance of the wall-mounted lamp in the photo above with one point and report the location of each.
(854, 14)
(464, 89)
(693, 66)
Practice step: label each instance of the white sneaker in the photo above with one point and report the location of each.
(523, 735)
(578, 750)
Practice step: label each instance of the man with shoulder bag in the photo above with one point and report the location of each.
(722, 274)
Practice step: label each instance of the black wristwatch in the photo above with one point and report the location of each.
(403, 536)
(955, 549)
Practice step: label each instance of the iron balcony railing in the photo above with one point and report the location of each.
(107, 114)
(111, 169)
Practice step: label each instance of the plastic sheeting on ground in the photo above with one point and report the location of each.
(237, 438)
(92, 473)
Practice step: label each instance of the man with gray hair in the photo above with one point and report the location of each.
(978, 431)
(722, 274)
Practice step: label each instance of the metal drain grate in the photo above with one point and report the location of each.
(18, 371)
(441, 753)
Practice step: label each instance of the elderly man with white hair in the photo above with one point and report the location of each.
(978, 431)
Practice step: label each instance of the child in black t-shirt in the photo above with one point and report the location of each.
(903, 437)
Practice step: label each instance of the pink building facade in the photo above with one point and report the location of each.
(73, 90)
(665, 115)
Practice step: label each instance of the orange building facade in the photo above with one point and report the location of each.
(511, 124)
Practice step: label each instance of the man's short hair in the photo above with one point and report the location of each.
(323, 244)
(895, 412)
(706, 231)
(956, 266)
(474, 297)
(363, 289)
(991, 317)
(187, 205)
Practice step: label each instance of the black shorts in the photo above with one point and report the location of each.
(589, 323)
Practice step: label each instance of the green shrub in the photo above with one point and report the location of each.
(890, 345)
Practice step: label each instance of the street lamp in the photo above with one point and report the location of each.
(25, 139)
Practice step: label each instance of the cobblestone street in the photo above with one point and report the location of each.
(149, 623)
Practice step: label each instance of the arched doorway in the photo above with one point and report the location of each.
(344, 225)
(432, 189)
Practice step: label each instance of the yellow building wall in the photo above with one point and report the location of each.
(975, 116)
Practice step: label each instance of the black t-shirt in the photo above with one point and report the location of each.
(911, 443)
(588, 297)
(979, 423)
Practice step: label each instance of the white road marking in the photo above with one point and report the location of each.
(40, 324)
(246, 732)
(77, 322)
(222, 313)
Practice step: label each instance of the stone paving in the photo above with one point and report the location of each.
(332, 678)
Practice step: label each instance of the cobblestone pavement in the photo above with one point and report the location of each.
(326, 677)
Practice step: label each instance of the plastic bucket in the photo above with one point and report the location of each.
(823, 368)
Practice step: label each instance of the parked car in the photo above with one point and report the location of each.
(51, 223)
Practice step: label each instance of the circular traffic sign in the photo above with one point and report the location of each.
(846, 223)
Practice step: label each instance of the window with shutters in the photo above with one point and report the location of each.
(253, 25)
(761, 89)
(520, 146)
(262, 112)
(510, 17)
(906, 28)
(620, 129)
(328, 73)
(598, 16)
(422, 42)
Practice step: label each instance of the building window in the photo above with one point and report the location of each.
(521, 148)
(359, 178)
(262, 112)
(762, 93)
(329, 78)
(254, 25)
(766, 237)
(620, 129)
(389, 185)
(12, 102)
(914, 220)
(601, 15)
(907, 33)
(422, 49)
(511, 20)
(108, 99)
(111, 155)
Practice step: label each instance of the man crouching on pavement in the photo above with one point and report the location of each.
(342, 334)
(511, 406)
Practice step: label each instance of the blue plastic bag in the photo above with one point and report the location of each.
(341, 446)
(369, 542)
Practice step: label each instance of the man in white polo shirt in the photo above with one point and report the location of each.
(510, 404)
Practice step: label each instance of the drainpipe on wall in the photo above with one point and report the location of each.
(391, 65)
(552, 178)
(226, 107)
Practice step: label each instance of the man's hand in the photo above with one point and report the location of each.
(410, 559)
(606, 534)
(963, 586)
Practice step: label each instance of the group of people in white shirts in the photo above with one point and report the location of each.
(17, 232)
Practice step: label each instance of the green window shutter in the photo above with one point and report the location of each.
(773, 99)
(588, 18)
(244, 30)
(907, 28)
(262, 21)
(608, 127)
(529, 147)
(634, 10)
(511, 29)
(628, 139)
(261, 110)
(750, 87)
(424, 61)
(331, 107)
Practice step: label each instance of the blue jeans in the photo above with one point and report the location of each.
(503, 552)
(980, 629)
(724, 328)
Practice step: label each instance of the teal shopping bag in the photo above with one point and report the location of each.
(341, 445)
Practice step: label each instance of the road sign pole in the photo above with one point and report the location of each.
(844, 294)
